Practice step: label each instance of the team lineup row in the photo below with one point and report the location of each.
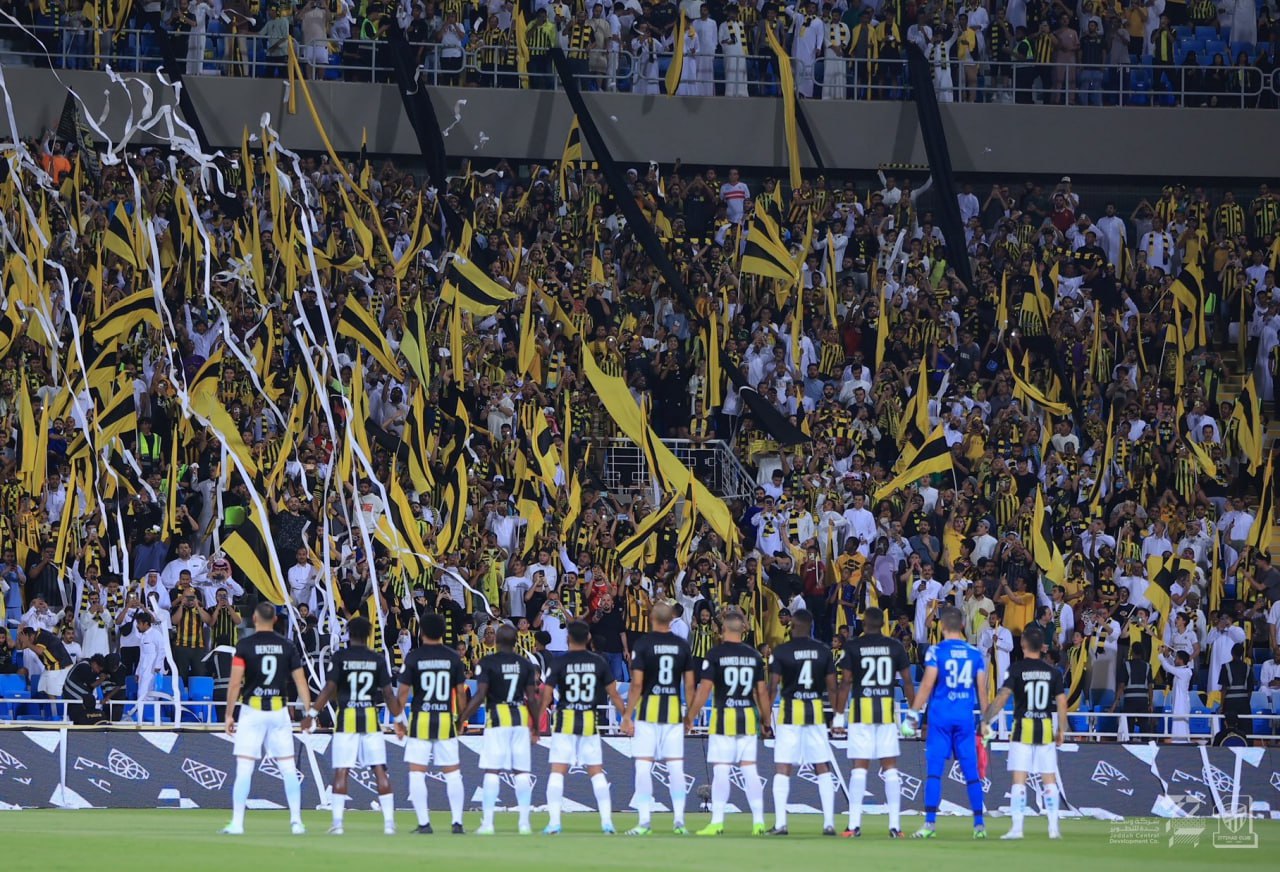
(429, 700)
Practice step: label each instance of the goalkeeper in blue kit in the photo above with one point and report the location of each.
(955, 680)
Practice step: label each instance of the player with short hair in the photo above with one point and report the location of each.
(733, 674)
(437, 677)
(806, 672)
(261, 670)
(507, 684)
(356, 673)
(871, 667)
(661, 667)
(955, 679)
(583, 681)
(1037, 691)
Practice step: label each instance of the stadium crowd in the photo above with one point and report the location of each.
(336, 409)
(1206, 53)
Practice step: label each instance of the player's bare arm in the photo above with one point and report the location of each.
(763, 702)
(1062, 719)
(536, 708)
(474, 703)
(304, 696)
(628, 723)
(990, 713)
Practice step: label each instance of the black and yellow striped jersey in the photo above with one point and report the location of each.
(581, 680)
(357, 674)
(803, 667)
(433, 673)
(1036, 687)
(508, 683)
(874, 663)
(660, 662)
(734, 670)
(268, 661)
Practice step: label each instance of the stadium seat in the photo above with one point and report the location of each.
(1257, 674)
(1182, 32)
(1206, 32)
(1201, 726)
(1158, 699)
(12, 687)
(200, 690)
(1238, 46)
(477, 719)
(1079, 719)
(1216, 46)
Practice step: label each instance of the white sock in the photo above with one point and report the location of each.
(240, 790)
(1051, 806)
(388, 803)
(524, 796)
(1017, 806)
(418, 796)
(600, 785)
(754, 791)
(489, 798)
(555, 797)
(857, 789)
(644, 791)
(675, 775)
(453, 787)
(719, 792)
(338, 803)
(827, 794)
(781, 790)
(892, 793)
(292, 788)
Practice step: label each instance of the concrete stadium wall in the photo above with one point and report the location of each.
(984, 139)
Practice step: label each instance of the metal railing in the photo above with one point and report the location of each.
(227, 54)
(712, 461)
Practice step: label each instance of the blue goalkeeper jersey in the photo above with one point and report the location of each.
(955, 694)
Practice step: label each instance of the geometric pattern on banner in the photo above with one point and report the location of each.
(124, 769)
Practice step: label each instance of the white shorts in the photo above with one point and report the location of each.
(53, 680)
(1037, 759)
(352, 750)
(581, 750)
(256, 729)
(505, 749)
(658, 741)
(872, 741)
(731, 749)
(422, 752)
(796, 744)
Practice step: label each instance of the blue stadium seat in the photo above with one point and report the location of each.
(200, 697)
(1201, 726)
(1079, 720)
(1182, 32)
(1257, 674)
(1206, 32)
(1158, 699)
(1217, 46)
(12, 687)
(1238, 46)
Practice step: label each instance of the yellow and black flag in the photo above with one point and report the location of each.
(250, 549)
(631, 551)
(676, 68)
(455, 496)
(933, 458)
(124, 316)
(415, 438)
(1265, 519)
(120, 415)
(357, 323)
(1188, 289)
(467, 288)
(788, 89)
(570, 157)
(1044, 549)
(542, 441)
(1162, 572)
(914, 425)
(764, 253)
(528, 494)
(1248, 412)
(119, 237)
(415, 344)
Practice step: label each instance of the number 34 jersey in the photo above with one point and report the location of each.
(268, 660)
(734, 669)
(433, 674)
(581, 680)
(360, 675)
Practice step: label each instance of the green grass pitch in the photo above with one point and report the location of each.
(76, 841)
